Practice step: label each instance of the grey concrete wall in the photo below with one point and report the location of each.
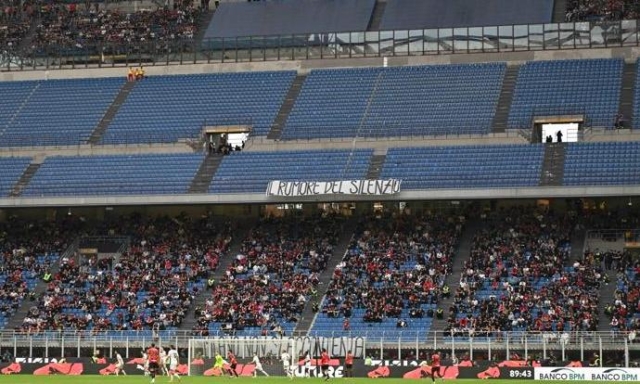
(261, 198)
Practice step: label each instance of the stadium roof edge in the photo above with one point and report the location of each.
(630, 54)
(259, 198)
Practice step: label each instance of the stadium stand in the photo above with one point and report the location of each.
(53, 112)
(28, 249)
(517, 278)
(12, 31)
(568, 87)
(250, 172)
(372, 102)
(419, 14)
(289, 17)
(624, 307)
(114, 175)
(165, 109)
(150, 287)
(481, 166)
(602, 164)
(76, 30)
(268, 284)
(391, 277)
(594, 10)
(11, 168)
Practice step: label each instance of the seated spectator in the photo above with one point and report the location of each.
(516, 279)
(151, 286)
(268, 284)
(394, 266)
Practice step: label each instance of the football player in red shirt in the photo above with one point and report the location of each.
(435, 366)
(324, 364)
(153, 355)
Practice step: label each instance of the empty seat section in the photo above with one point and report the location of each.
(288, 17)
(636, 99)
(568, 87)
(372, 102)
(11, 168)
(251, 172)
(165, 109)
(481, 166)
(602, 164)
(55, 112)
(114, 175)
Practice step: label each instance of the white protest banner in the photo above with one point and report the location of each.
(344, 187)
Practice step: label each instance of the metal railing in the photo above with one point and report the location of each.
(420, 42)
(379, 345)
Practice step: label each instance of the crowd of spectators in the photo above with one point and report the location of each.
(151, 286)
(622, 308)
(520, 277)
(86, 29)
(597, 10)
(394, 265)
(27, 249)
(267, 285)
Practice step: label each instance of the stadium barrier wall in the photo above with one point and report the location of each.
(419, 42)
(401, 345)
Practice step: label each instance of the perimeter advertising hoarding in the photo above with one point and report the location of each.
(405, 369)
(587, 374)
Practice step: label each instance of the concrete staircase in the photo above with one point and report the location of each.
(102, 126)
(26, 177)
(17, 319)
(285, 108)
(553, 165)
(462, 255)
(239, 234)
(501, 118)
(559, 11)
(606, 298)
(202, 179)
(627, 93)
(308, 316)
(375, 166)
(578, 245)
(376, 15)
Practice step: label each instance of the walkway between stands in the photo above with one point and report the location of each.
(461, 256)
(308, 316)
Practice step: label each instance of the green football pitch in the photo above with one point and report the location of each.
(86, 379)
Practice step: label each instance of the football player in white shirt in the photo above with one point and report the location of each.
(307, 364)
(119, 365)
(163, 361)
(256, 361)
(286, 364)
(173, 359)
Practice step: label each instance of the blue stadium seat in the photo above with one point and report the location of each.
(480, 166)
(114, 175)
(165, 109)
(402, 101)
(602, 164)
(569, 87)
(54, 112)
(250, 172)
(11, 168)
